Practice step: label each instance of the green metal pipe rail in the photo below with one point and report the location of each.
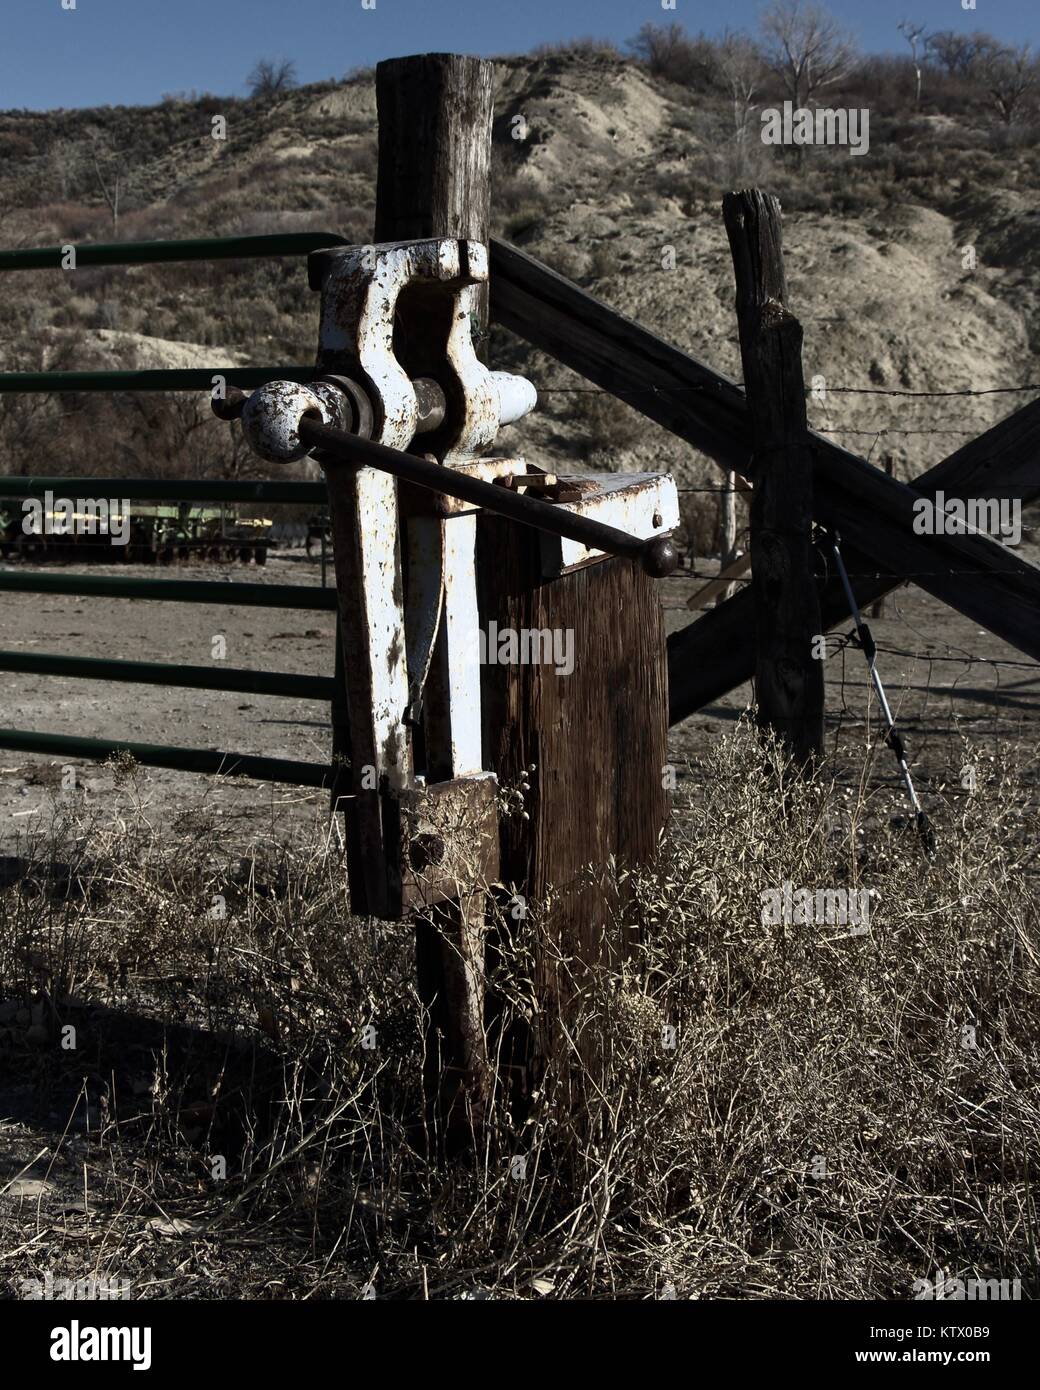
(170, 490)
(208, 760)
(305, 596)
(267, 492)
(223, 248)
(238, 679)
(157, 379)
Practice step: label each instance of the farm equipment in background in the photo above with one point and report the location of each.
(154, 535)
(166, 534)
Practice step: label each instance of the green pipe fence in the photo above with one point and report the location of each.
(158, 379)
(304, 596)
(128, 253)
(243, 681)
(264, 491)
(208, 760)
(170, 490)
(224, 248)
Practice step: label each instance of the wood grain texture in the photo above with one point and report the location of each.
(873, 513)
(435, 112)
(597, 738)
(788, 680)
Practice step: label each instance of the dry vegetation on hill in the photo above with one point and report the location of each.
(623, 158)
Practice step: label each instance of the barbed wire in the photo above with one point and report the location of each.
(744, 491)
(890, 429)
(842, 641)
(887, 391)
(896, 580)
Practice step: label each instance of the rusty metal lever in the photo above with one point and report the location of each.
(656, 555)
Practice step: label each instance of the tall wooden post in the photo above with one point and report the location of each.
(593, 726)
(434, 175)
(788, 679)
(433, 180)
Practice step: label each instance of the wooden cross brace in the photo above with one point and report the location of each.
(874, 513)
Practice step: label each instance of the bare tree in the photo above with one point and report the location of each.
(959, 55)
(740, 69)
(64, 159)
(271, 77)
(915, 37)
(955, 53)
(806, 47)
(110, 171)
(669, 52)
(1010, 76)
(38, 433)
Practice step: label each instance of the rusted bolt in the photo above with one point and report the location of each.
(658, 519)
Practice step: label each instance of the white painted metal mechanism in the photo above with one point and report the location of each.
(400, 367)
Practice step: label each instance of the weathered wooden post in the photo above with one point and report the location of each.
(788, 679)
(595, 736)
(403, 416)
(434, 180)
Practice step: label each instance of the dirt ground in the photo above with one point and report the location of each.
(947, 680)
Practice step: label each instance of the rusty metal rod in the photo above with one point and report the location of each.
(656, 555)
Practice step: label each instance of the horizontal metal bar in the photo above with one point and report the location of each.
(190, 249)
(169, 489)
(657, 554)
(170, 590)
(208, 760)
(236, 678)
(157, 379)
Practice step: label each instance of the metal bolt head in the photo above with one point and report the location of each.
(659, 557)
(271, 418)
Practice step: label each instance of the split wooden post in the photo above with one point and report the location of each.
(788, 679)
(434, 179)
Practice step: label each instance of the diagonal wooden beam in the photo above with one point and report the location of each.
(717, 652)
(706, 409)
(873, 513)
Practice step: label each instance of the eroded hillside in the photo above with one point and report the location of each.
(615, 182)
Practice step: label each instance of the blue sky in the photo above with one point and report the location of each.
(129, 52)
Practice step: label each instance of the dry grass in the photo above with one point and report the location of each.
(823, 1127)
